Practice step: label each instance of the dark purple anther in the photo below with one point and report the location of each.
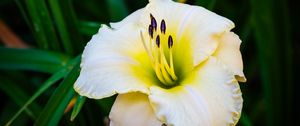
(150, 31)
(163, 26)
(157, 41)
(170, 41)
(153, 22)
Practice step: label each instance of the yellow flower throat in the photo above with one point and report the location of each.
(161, 56)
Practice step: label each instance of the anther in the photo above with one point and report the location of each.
(170, 41)
(157, 41)
(153, 22)
(151, 16)
(150, 30)
(163, 26)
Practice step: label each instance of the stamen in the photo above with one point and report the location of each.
(170, 41)
(163, 26)
(169, 68)
(150, 31)
(163, 68)
(172, 70)
(145, 46)
(158, 41)
(166, 75)
(153, 22)
(159, 74)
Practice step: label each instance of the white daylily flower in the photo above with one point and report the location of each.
(170, 63)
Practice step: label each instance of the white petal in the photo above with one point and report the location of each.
(132, 109)
(189, 24)
(114, 61)
(179, 107)
(132, 18)
(229, 52)
(221, 90)
(210, 96)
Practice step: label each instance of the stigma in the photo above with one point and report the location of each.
(159, 49)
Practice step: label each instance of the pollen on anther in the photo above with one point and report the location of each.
(158, 41)
(150, 31)
(153, 22)
(170, 41)
(163, 26)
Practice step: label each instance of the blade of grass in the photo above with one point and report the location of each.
(18, 95)
(48, 83)
(273, 43)
(77, 107)
(66, 24)
(61, 25)
(7, 110)
(43, 25)
(283, 26)
(31, 59)
(265, 38)
(23, 12)
(59, 100)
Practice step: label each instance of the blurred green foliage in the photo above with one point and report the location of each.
(36, 82)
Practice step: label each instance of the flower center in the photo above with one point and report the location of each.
(159, 49)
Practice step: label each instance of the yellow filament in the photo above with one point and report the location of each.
(145, 46)
(163, 70)
(158, 74)
(166, 65)
(162, 67)
(172, 72)
(157, 68)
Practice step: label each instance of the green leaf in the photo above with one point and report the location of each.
(274, 52)
(31, 59)
(117, 9)
(59, 100)
(18, 95)
(66, 24)
(43, 25)
(48, 83)
(77, 107)
(8, 109)
(89, 28)
(24, 14)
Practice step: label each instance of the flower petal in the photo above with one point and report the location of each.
(132, 18)
(210, 96)
(179, 107)
(229, 52)
(217, 84)
(114, 61)
(190, 24)
(132, 109)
